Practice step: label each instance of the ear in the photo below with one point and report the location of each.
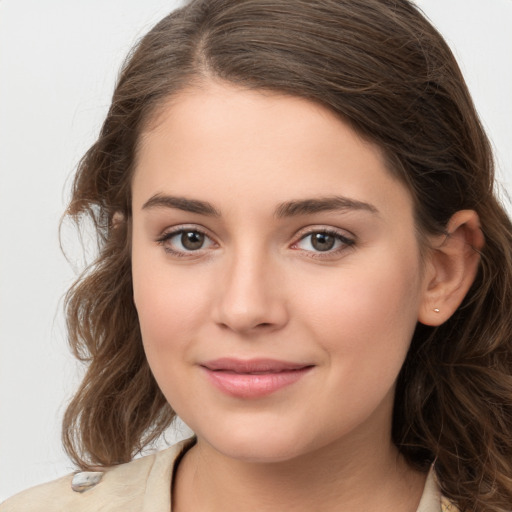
(117, 219)
(451, 267)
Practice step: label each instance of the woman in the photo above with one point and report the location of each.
(302, 256)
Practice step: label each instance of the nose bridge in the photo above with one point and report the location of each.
(249, 296)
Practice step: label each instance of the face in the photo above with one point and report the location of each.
(276, 273)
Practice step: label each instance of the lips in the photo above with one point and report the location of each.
(253, 378)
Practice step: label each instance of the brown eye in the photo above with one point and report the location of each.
(192, 240)
(330, 242)
(183, 242)
(322, 241)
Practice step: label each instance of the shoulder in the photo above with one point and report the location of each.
(128, 487)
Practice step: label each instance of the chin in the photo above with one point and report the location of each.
(258, 446)
(256, 452)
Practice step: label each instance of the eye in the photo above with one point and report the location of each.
(182, 241)
(191, 240)
(323, 242)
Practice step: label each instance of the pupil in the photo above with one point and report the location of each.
(192, 240)
(322, 241)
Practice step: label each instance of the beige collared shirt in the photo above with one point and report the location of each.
(143, 485)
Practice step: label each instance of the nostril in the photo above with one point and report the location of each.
(257, 326)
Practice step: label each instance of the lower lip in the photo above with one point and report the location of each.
(246, 385)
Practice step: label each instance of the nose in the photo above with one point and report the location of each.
(250, 296)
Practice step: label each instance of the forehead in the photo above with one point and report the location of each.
(219, 139)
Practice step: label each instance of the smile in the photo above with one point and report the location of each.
(253, 378)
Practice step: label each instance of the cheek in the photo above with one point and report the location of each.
(366, 315)
(168, 302)
(168, 310)
(364, 325)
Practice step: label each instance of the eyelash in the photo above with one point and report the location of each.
(345, 241)
(168, 235)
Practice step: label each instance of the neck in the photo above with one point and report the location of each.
(341, 477)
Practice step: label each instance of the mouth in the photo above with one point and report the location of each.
(253, 378)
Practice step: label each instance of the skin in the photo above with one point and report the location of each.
(259, 288)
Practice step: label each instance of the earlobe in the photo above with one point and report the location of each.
(451, 267)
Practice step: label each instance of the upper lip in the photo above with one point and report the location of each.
(252, 365)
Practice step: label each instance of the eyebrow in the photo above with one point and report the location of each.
(181, 203)
(287, 209)
(310, 206)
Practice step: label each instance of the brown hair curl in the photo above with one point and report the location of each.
(382, 67)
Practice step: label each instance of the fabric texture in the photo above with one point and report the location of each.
(144, 485)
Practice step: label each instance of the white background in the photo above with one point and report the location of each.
(58, 64)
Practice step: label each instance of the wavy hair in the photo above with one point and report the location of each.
(383, 68)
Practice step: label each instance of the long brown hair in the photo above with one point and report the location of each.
(382, 67)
